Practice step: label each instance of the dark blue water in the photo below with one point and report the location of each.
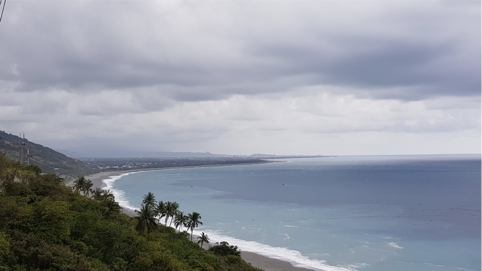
(341, 213)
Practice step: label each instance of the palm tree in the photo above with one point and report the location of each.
(180, 220)
(174, 211)
(167, 211)
(149, 199)
(97, 193)
(111, 206)
(146, 219)
(193, 221)
(203, 239)
(79, 184)
(107, 194)
(171, 210)
(86, 188)
(161, 210)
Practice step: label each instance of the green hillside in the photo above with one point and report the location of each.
(48, 160)
(47, 226)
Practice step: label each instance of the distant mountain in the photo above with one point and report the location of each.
(182, 154)
(284, 156)
(122, 153)
(177, 154)
(72, 154)
(48, 160)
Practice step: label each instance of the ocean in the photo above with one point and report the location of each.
(420, 212)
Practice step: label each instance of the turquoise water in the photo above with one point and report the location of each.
(340, 213)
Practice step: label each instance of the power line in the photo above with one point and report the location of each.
(3, 8)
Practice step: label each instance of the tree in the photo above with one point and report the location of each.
(111, 206)
(97, 193)
(82, 185)
(79, 184)
(224, 249)
(161, 210)
(107, 194)
(203, 239)
(180, 220)
(170, 211)
(193, 221)
(4, 248)
(86, 188)
(53, 220)
(146, 219)
(149, 199)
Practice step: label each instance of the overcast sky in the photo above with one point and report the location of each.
(240, 77)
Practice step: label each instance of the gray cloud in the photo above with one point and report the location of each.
(104, 45)
(190, 71)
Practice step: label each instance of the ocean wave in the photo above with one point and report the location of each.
(280, 253)
(119, 194)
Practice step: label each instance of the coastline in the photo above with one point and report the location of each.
(256, 260)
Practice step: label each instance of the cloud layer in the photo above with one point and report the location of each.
(244, 76)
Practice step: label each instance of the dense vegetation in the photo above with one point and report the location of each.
(45, 225)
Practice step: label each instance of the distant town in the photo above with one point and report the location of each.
(107, 164)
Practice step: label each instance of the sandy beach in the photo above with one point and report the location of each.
(256, 260)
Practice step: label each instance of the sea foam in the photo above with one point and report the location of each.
(280, 253)
(118, 194)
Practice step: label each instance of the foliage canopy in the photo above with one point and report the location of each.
(45, 225)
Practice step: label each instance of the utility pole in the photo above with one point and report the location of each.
(22, 147)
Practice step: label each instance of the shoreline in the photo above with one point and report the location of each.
(256, 260)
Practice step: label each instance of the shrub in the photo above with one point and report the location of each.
(224, 249)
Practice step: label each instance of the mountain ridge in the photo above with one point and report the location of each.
(47, 159)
